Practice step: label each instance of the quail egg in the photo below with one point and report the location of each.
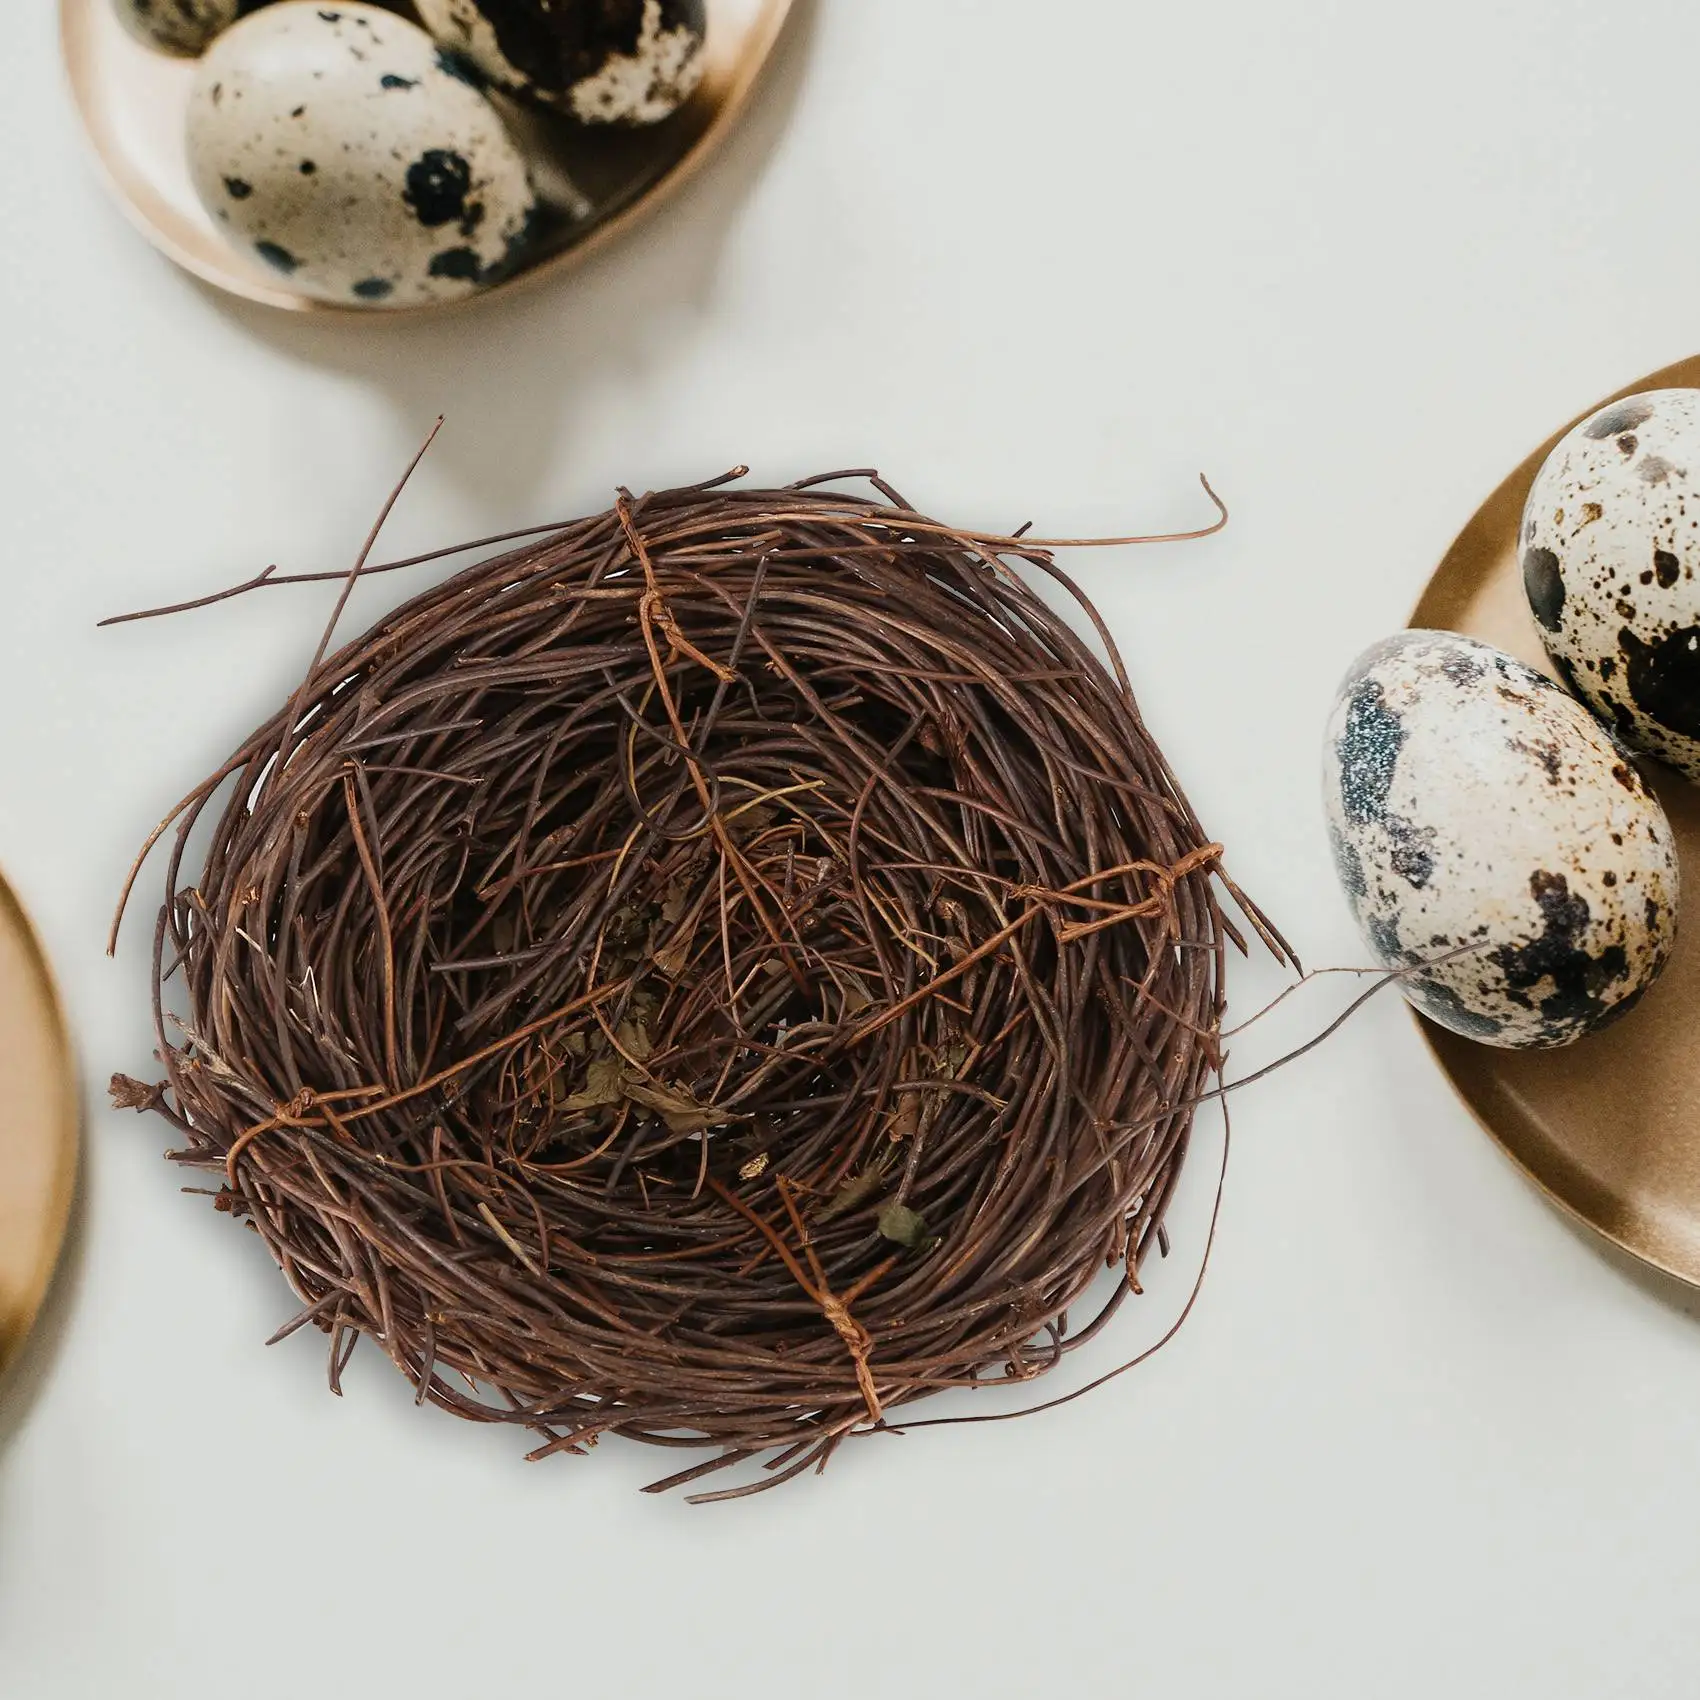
(340, 146)
(603, 61)
(1610, 544)
(177, 26)
(1494, 837)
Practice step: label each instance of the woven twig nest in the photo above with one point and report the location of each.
(717, 974)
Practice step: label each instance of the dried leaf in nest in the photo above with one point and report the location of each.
(603, 1085)
(646, 877)
(905, 1120)
(751, 820)
(903, 1226)
(672, 958)
(675, 1105)
(610, 1081)
(858, 1190)
(634, 1040)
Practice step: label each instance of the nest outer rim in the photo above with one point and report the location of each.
(994, 1093)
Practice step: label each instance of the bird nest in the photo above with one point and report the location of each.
(717, 973)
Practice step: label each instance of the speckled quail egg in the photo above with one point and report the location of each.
(1611, 541)
(1486, 826)
(177, 26)
(603, 61)
(343, 148)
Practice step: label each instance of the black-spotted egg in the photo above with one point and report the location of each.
(1610, 548)
(341, 147)
(603, 61)
(177, 26)
(1496, 842)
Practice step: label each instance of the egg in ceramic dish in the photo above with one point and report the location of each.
(345, 150)
(603, 61)
(1486, 826)
(1610, 544)
(177, 26)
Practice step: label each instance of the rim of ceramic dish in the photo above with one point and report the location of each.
(66, 1128)
(1443, 591)
(146, 212)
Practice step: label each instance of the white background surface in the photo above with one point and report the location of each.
(1036, 261)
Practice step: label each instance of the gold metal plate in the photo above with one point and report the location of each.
(133, 103)
(1609, 1127)
(38, 1126)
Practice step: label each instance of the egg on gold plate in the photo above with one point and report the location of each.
(592, 181)
(38, 1132)
(1606, 1126)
